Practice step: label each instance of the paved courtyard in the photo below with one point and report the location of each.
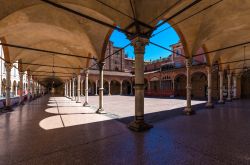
(124, 106)
(70, 113)
(55, 130)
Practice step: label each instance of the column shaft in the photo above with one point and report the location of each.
(100, 109)
(188, 110)
(73, 89)
(70, 90)
(86, 103)
(8, 85)
(65, 89)
(21, 88)
(209, 88)
(235, 86)
(229, 87)
(109, 88)
(29, 86)
(96, 87)
(221, 87)
(78, 88)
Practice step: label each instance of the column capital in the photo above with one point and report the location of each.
(86, 72)
(139, 44)
(188, 62)
(209, 69)
(101, 65)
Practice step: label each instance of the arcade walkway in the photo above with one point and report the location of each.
(214, 136)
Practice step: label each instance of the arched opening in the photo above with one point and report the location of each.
(92, 87)
(155, 84)
(126, 87)
(105, 87)
(18, 88)
(114, 87)
(26, 88)
(180, 85)
(199, 85)
(245, 87)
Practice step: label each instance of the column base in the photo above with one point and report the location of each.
(188, 111)
(209, 105)
(86, 104)
(221, 102)
(229, 100)
(139, 126)
(78, 101)
(96, 94)
(101, 111)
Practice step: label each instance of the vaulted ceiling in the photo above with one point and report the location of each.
(213, 24)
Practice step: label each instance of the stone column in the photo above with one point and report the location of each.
(100, 109)
(8, 86)
(39, 89)
(83, 90)
(188, 109)
(70, 89)
(29, 86)
(73, 89)
(209, 88)
(221, 101)
(65, 89)
(34, 89)
(120, 87)
(229, 76)
(109, 82)
(138, 124)
(96, 88)
(86, 103)
(78, 89)
(21, 88)
(235, 87)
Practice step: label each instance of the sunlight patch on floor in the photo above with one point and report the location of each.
(69, 113)
(62, 121)
(70, 110)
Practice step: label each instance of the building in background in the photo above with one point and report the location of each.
(163, 77)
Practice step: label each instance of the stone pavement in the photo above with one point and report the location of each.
(212, 136)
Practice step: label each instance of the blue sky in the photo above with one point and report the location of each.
(166, 38)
